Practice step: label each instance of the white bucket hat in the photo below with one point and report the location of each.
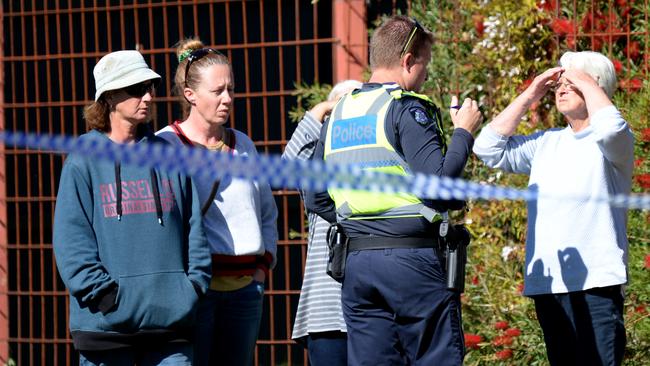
(120, 69)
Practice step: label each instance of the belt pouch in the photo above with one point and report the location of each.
(337, 243)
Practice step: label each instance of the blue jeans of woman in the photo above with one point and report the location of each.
(227, 326)
(583, 327)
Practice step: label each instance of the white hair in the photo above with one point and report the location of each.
(343, 87)
(595, 64)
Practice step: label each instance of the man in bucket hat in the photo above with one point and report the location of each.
(128, 241)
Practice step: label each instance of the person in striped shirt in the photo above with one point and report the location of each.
(319, 323)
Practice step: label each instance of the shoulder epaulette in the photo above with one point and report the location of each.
(401, 93)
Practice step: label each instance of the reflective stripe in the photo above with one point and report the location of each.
(379, 103)
(415, 210)
(364, 156)
(338, 109)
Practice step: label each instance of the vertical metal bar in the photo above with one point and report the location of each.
(39, 161)
(122, 34)
(27, 168)
(195, 22)
(73, 74)
(249, 125)
(4, 272)
(265, 100)
(296, 9)
(109, 31)
(228, 46)
(213, 41)
(136, 28)
(281, 62)
(51, 130)
(12, 26)
(314, 12)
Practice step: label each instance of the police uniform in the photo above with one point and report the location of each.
(395, 301)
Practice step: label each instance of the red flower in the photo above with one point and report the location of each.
(597, 43)
(504, 354)
(638, 162)
(593, 22)
(632, 84)
(632, 49)
(546, 5)
(641, 309)
(502, 341)
(625, 9)
(501, 325)
(472, 340)
(644, 182)
(520, 288)
(478, 24)
(571, 41)
(647, 261)
(525, 84)
(625, 12)
(475, 280)
(513, 332)
(618, 66)
(645, 134)
(562, 26)
(613, 21)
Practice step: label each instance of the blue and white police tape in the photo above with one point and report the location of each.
(294, 174)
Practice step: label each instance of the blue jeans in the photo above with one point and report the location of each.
(327, 348)
(168, 354)
(398, 310)
(583, 327)
(227, 326)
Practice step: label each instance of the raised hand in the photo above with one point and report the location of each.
(466, 116)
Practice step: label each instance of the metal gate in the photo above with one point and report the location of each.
(48, 53)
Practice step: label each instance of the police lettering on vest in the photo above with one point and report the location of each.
(354, 132)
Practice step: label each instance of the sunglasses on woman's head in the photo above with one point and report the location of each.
(197, 55)
(139, 90)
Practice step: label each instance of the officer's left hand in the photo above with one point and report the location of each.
(467, 116)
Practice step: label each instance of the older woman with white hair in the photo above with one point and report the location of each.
(576, 247)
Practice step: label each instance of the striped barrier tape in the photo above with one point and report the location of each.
(311, 175)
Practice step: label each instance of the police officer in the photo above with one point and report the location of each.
(395, 301)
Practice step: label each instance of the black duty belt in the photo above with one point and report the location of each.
(381, 242)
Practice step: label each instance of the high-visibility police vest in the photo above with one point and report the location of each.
(356, 136)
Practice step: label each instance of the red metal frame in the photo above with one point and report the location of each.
(4, 273)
